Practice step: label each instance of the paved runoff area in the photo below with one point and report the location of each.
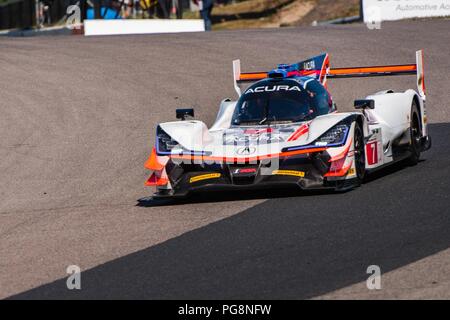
(78, 118)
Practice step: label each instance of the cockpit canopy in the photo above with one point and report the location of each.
(272, 101)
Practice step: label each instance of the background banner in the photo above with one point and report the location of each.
(382, 10)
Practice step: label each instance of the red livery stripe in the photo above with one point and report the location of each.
(304, 128)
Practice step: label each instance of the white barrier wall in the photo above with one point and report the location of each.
(144, 26)
(382, 10)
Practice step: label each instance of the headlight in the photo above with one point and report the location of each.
(334, 136)
(164, 141)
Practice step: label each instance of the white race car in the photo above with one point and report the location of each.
(285, 130)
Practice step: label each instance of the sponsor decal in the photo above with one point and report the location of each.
(204, 177)
(252, 136)
(351, 172)
(289, 173)
(273, 88)
(309, 65)
(260, 138)
(244, 151)
(244, 170)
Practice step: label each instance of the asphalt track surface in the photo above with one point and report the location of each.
(77, 122)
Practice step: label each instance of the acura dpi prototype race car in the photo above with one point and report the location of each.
(285, 130)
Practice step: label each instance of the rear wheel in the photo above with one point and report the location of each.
(415, 135)
(360, 158)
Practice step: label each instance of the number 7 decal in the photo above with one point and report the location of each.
(372, 153)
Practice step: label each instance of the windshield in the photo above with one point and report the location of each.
(275, 103)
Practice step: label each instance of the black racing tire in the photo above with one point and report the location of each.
(359, 154)
(415, 135)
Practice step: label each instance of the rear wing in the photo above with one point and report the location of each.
(321, 70)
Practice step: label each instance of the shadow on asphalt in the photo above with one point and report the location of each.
(224, 196)
(289, 247)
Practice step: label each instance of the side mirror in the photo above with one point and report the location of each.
(364, 104)
(183, 113)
